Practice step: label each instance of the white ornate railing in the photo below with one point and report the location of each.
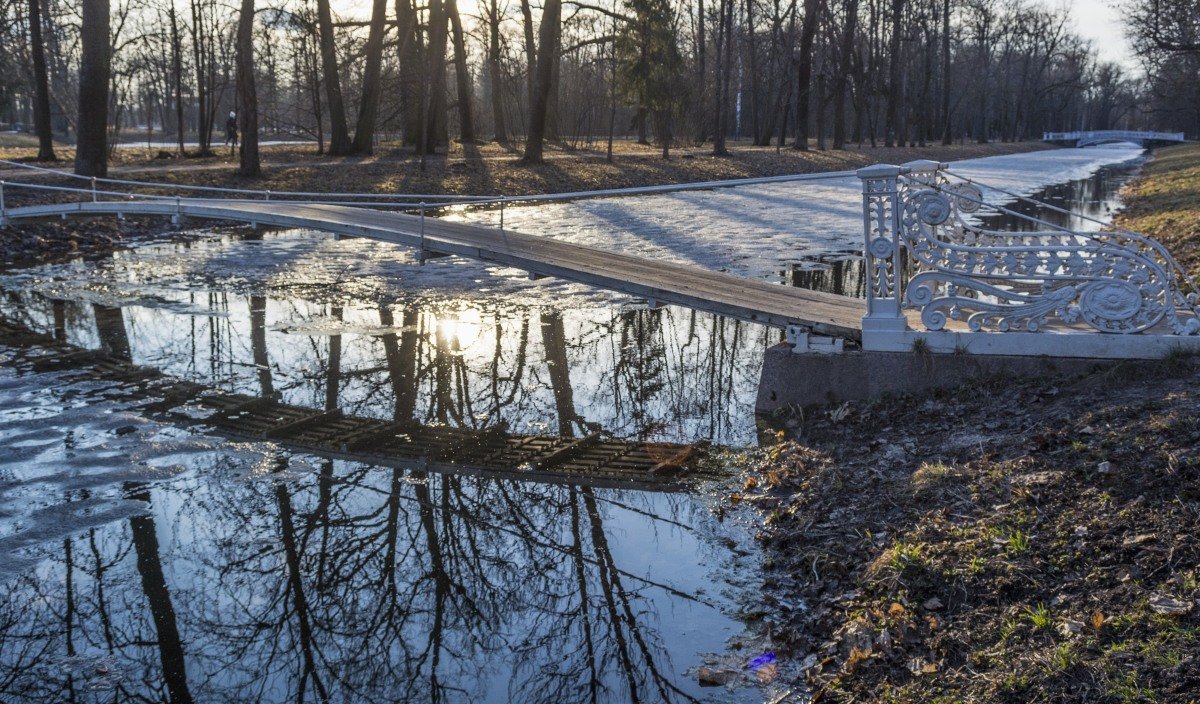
(933, 269)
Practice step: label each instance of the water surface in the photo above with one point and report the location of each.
(146, 561)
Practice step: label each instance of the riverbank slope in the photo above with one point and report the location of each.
(1009, 541)
(1165, 203)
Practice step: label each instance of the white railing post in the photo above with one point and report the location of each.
(94, 189)
(421, 251)
(881, 252)
(503, 199)
(3, 208)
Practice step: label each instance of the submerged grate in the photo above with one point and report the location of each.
(591, 460)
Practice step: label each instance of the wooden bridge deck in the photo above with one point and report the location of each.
(661, 281)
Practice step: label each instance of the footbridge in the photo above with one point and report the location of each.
(1094, 137)
(938, 281)
(375, 217)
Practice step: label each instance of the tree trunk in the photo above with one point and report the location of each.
(845, 65)
(462, 78)
(200, 51)
(821, 98)
(364, 133)
(177, 74)
(530, 53)
(339, 137)
(247, 95)
(701, 70)
(894, 73)
(947, 136)
(495, 75)
(409, 51)
(41, 104)
(755, 116)
(808, 31)
(548, 48)
(724, 56)
(434, 127)
(95, 72)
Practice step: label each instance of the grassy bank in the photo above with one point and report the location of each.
(1165, 203)
(1011, 541)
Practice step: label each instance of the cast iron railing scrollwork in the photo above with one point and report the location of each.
(1112, 280)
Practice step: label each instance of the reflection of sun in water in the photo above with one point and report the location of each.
(459, 328)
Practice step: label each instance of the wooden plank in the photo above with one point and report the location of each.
(566, 452)
(301, 423)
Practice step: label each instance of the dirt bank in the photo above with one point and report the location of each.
(1010, 541)
(491, 169)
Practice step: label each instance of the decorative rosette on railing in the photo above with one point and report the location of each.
(1112, 281)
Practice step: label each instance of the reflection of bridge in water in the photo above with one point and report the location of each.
(352, 583)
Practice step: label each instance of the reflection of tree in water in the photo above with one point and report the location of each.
(374, 586)
(345, 584)
(635, 373)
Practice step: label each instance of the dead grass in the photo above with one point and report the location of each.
(1037, 541)
(1165, 203)
(491, 169)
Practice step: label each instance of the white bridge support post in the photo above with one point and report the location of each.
(882, 253)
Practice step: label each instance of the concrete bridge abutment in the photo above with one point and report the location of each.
(790, 379)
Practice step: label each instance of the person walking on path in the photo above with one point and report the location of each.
(231, 132)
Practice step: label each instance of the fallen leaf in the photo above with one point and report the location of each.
(1167, 606)
(1097, 620)
(1138, 539)
(710, 677)
(1070, 627)
(856, 656)
(896, 609)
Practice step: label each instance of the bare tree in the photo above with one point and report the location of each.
(41, 105)
(247, 92)
(549, 35)
(95, 67)
(339, 137)
(368, 111)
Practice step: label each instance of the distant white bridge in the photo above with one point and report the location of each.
(1093, 137)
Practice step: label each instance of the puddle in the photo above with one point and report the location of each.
(143, 562)
(148, 562)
